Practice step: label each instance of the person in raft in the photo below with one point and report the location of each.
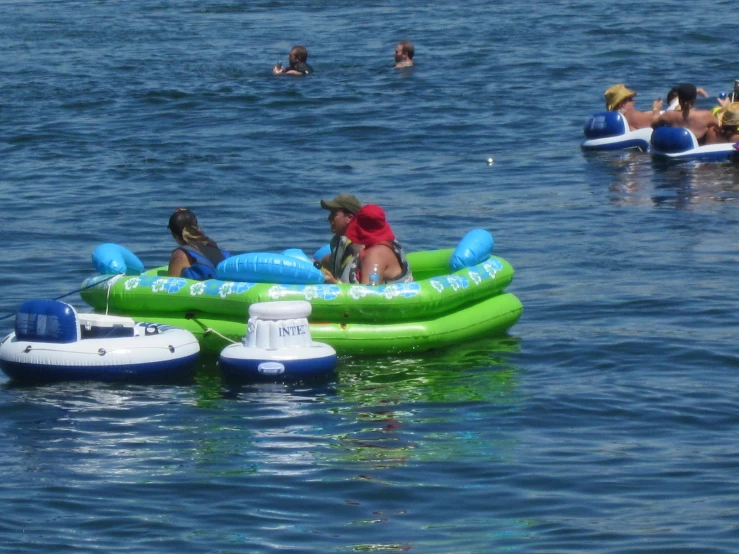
(298, 63)
(728, 131)
(342, 211)
(374, 244)
(621, 99)
(197, 256)
(699, 122)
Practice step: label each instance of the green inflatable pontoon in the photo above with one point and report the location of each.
(438, 309)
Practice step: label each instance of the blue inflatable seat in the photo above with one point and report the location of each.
(605, 125)
(42, 320)
(673, 140)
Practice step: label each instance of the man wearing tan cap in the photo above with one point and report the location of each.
(621, 99)
(342, 210)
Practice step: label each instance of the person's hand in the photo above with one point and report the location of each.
(329, 278)
(723, 102)
(657, 104)
(701, 92)
(278, 69)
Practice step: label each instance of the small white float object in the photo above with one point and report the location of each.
(278, 346)
(52, 342)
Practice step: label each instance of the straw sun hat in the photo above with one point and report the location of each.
(617, 94)
(730, 115)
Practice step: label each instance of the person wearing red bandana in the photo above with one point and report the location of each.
(374, 243)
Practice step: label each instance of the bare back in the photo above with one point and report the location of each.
(697, 121)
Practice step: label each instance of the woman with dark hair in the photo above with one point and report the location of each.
(197, 255)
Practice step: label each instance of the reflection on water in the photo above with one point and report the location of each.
(387, 415)
(635, 179)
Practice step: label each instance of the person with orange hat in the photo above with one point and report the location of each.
(621, 99)
(379, 258)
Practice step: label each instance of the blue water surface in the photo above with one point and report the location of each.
(604, 422)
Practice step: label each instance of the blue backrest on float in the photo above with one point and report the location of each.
(113, 258)
(605, 125)
(475, 247)
(268, 267)
(322, 252)
(298, 254)
(42, 320)
(673, 140)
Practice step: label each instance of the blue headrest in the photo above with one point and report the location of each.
(475, 247)
(605, 125)
(47, 321)
(673, 140)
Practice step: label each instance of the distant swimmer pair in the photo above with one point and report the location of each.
(298, 60)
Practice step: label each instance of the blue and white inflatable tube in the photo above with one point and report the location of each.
(52, 342)
(292, 267)
(610, 131)
(113, 258)
(680, 144)
(278, 346)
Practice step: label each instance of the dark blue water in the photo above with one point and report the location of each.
(606, 421)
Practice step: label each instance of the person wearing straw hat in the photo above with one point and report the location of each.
(697, 121)
(374, 244)
(621, 99)
(728, 131)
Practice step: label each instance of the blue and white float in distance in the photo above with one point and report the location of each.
(680, 144)
(610, 131)
(52, 342)
(278, 346)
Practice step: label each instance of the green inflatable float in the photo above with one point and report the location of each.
(440, 308)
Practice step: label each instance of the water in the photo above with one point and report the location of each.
(604, 422)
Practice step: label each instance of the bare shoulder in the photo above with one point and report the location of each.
(379, 253)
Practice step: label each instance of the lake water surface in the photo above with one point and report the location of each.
(604, 422)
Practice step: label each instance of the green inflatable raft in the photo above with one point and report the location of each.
(440, 308)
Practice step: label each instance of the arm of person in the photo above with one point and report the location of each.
(711, 120)
(375, 255)
(666, 118)
(177, 262)
(655, 114)
(701, 92)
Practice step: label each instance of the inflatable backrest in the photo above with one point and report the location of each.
(267, 267)
(322, 252)
(474, 248)
(605, 125)
(113, 258)
(47, 321)
(673, 140)
(297, 253)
